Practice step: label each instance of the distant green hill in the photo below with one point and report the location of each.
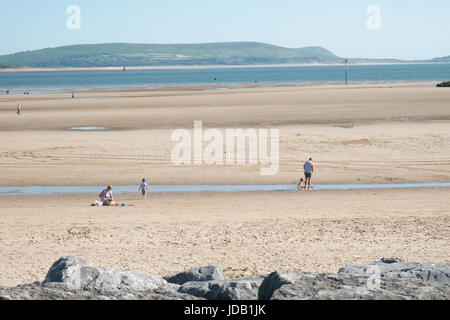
(119, 54)
(318, 53)
(123, 54)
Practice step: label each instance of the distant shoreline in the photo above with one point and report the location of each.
(90, 93)
(71, 69)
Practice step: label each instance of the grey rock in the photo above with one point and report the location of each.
(243, 288)
(78, 273)
(397, 268)
(232, 289)
(75, 272)
(210, 290)
(278, 279)
(292, 285)
(113, 280)
(210, 273)
(60, 291)
(73, 278)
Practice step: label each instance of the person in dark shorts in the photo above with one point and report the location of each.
(309, 170)
(144, 188)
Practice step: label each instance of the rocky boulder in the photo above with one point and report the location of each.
(232, 289)
(60, 291)
(73, 278)
(78, 273)
(397, 268)
(292, 285)
(74, 272)
(210, 273)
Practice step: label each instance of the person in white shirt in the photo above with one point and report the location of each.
(19, 109)
(144, 188)
(106, 197)
(309, 170)
(301, 185)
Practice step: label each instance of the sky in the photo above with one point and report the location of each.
(402, 29)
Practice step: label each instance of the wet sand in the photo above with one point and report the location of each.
(373, 133)
(357, 134)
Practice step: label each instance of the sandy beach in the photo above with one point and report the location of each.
(246, 234)
(362, 133)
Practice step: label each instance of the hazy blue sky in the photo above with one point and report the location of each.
(410, 29)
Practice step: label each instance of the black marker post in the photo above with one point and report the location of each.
(346, 72)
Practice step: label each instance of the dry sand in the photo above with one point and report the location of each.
(245, 233)
(374, 133)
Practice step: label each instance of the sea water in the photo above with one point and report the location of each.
(67, 81)
(51, 190)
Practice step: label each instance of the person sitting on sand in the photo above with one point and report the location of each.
(106, 197)
(144, 188)
(301, 185)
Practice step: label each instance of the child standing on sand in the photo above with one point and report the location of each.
(19, 109)
(144, 188)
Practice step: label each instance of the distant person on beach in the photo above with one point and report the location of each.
(309, 170)
(19, 109)
(106, 197)
(143, 188)
(73, 95)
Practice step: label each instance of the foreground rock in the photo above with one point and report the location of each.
(60, 291)
(397, 268)
(233, 289)
(291, 285)
(210, 273)
(78, 273)
(73, 278)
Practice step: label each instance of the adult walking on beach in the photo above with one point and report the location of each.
(19, 109)
(309, 170)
